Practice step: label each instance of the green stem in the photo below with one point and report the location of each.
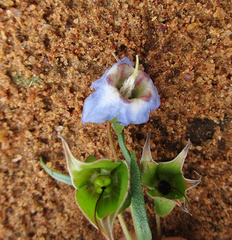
(120, 217)
(108, 124)
(123, 148)
(158, 226)
(124, 228)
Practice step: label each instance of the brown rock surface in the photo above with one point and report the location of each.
(52, 51)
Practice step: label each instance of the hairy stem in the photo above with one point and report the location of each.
(124, 228)
(108, 124)
(158, 226)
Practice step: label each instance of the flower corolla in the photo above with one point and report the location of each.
(123, 92)
(102, 188)
(165, 180)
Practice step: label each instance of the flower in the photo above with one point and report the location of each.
(165, 180)
(102, 188)
(123, 92)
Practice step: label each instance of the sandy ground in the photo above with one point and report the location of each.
(50, 54)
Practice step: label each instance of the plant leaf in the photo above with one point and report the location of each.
(138, 208)
(58, 176)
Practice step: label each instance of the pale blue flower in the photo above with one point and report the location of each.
(123, 92)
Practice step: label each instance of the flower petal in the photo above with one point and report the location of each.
(146, 157)
(190, 183)
(107, 103)
(72, 163)
(148, 166)
(182, 206)
(173, 167)
(163, 206)
(98, 84)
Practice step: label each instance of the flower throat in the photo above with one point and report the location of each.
(129, 84)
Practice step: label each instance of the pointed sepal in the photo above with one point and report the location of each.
(118, 128)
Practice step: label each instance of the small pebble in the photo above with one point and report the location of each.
(188, 77)
(18, 158)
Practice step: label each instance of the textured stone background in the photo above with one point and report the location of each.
(60, 48)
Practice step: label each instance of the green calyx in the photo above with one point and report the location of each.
(118, 128)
